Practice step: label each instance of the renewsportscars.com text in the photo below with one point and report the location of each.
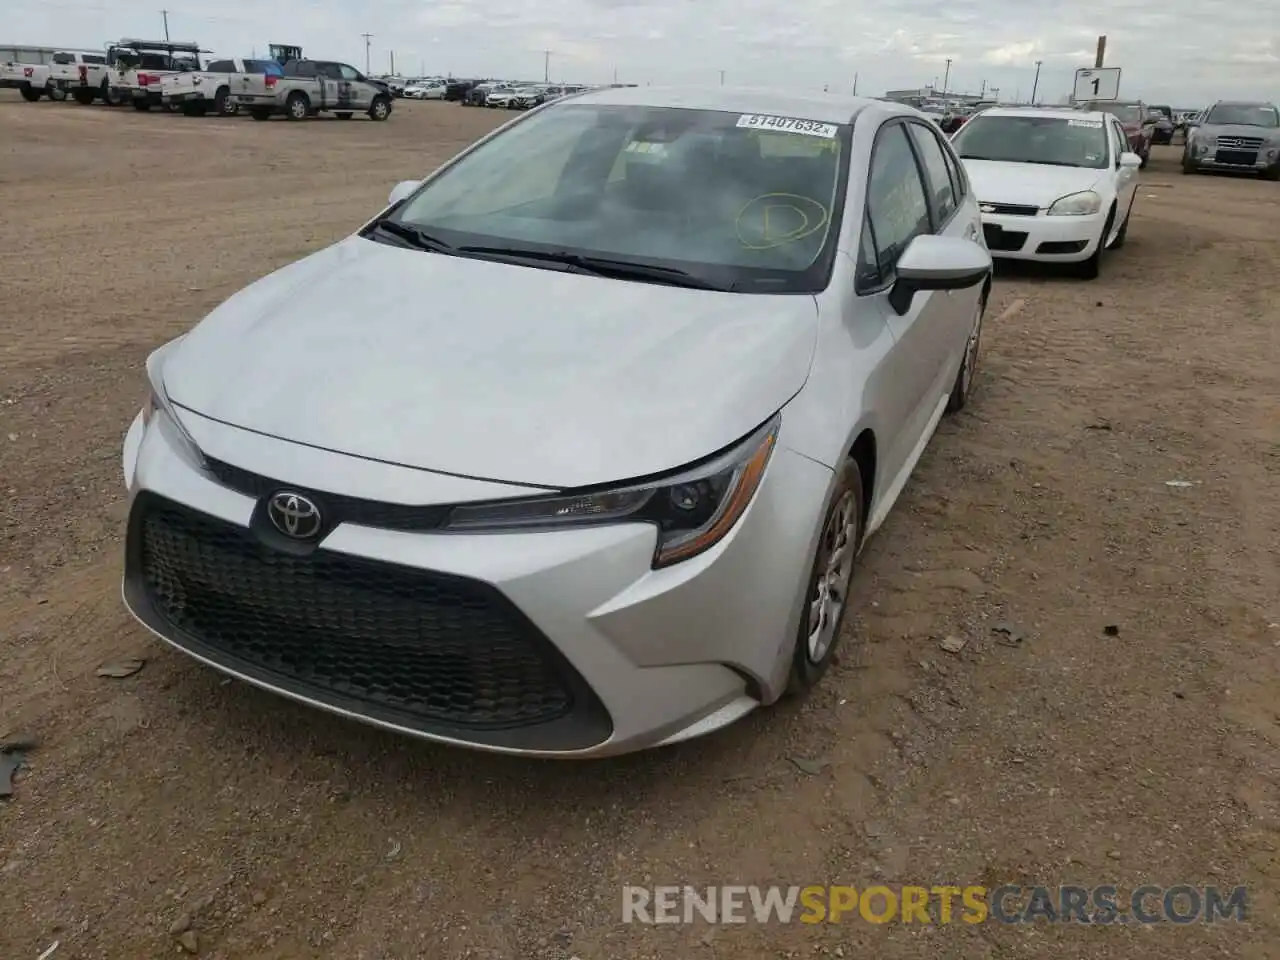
(1102, 905)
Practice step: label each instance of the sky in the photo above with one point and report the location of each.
(1185, 53)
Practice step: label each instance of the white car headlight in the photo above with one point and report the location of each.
(1076, 204)
(157, 403)
(693, 510)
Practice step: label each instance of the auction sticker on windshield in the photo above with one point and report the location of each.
(810, 128)
(1085, 123)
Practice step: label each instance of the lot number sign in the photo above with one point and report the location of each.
(1100, 84)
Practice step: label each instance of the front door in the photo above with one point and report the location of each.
(898, 212)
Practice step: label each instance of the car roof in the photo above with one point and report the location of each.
(821, 107)
(1244, 103)
(1060, 113)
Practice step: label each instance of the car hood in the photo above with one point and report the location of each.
(1237, 130)
(493, 371)
(1027, 184)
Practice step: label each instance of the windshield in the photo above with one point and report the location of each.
(1260, 115)
(1057, 141)
(736, 201)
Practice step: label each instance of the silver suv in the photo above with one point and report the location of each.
(1235, 135)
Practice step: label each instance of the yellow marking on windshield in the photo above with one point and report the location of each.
(807, 215)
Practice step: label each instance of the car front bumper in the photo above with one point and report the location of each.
(1050, 239)
(560, 643)
(1214, 156)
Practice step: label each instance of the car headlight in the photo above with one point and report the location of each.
(1076, 204)
(157, 403)
(693, 509)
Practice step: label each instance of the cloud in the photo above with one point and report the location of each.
(1188, 52)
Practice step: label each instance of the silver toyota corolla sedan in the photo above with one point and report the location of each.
(570, 450)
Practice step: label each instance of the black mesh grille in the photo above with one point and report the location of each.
(1011, 209)
(409, 647)
(1007, 240)
(335, 507)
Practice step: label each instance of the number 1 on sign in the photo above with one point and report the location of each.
(1096, 81)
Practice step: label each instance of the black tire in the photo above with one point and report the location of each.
(1146, 158)
(380, 109)
(30, 93)
(298, 106)
(1123, 232)
(807, 669)
(84, 96)
(1188, 165)
(260, 113)
(1089, 269)
(109, 97)
(963, 386)
(223, 105)
(56, 94)
(1271, 173)
(343, 114)
(141, 106)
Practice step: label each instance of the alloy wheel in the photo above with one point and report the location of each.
(837, 550)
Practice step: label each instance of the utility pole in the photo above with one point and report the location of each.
(722, 78)
(1101, 55)
(983, 94)
(367, 38)
(165, 15)
(546, 66)
(1036, 84)
(615, 74)
(393, 63)
(946, 77)
(855, 84)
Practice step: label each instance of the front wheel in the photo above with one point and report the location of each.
(380, 109)
(109, 96)
(84, 97)
(56, 93)
(830, 577)
(223, 105)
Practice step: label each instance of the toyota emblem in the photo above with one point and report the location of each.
(294, 515)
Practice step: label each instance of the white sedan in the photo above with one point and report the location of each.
(1053, 185)
(575, 456)
(424, 91)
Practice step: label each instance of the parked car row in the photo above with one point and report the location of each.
(171, 75)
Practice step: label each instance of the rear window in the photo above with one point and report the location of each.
(94, 58)
(222, 66)
(64, 58)
(264, 67)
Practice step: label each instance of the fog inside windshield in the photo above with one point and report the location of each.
(1048, 140)
(1259, 116)
(709, 191)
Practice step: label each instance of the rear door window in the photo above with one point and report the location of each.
(222, 66)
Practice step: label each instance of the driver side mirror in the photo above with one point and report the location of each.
(402, 190)
(1130, 161)
(937, 263)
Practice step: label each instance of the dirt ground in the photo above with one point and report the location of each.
(1143, 754)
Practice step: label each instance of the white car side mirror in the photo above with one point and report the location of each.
(402, 190)
(937, 263)
(1130, 160)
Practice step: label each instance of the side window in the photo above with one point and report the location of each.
(897, 210)
(941, 191)
(348, 73)
(93, 58)
(221, 66)
(305, 70)
(956, 169)
(1121, 141)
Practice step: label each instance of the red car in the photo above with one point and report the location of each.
(1134, 117)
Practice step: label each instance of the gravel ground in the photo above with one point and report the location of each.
(173, 810)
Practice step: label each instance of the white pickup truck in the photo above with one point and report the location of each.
(82, 75)
(139, 66)
(195, 94)
(29, 79)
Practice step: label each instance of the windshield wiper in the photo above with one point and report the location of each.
(413, 236)
(603, 266)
